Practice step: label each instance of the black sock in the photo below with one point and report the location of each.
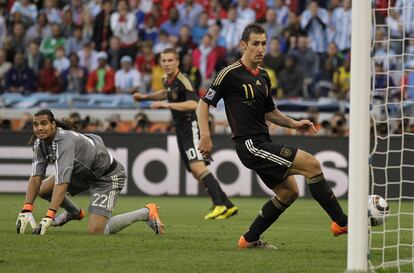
(267, 216)
(226, 201)
(213, 189)
(322, 193)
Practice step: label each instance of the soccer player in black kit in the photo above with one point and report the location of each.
(182, 100)
(244, 87)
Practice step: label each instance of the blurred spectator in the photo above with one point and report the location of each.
(145, 56)
(273, 79)
(205, 59)
(34, 59)
(325, 129)
(26, 9)
(157, 74)
(218, 44)
(141, 123)
(75, 120)
(75, 77)
(274, 58)
(185, 43)
(94, 7)
(189, 12)
(3, 30)
(102, 79)
(39, 31)
(201, 28)
(20, 78)
(192, 71)
(342, 26)
(123, 25)
(382, 83)
(25, 122)
(150, 31)
(405, 8)
(244, 13)
(273, 29)
(290, 79)
(47, 80)
(307, 62)
(314, 21)
(395, 24)
(74, 43)
(60, 63)
(76, 8)
(173, 25)
(323, 82)
(339, 125)
(102, 31)
(17, 38)
(231, 31)
(134, 7)
(7, 46)
(127, 79)
(163, 42)
(68, 24)
(342, 80)
(282, 12)
(114, 124)
(4, 68)
(259, 7)
(114, 53)
(333, 56)
(5, 124)
(88, 57)
(293, 29)
(52, 13)
(87, 25)
(49, 44)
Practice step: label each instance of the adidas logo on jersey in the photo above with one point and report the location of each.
(258, 82)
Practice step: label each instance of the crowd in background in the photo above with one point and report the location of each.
(113, 46)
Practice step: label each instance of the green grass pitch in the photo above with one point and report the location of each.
(190, 244)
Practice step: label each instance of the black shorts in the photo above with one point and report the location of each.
(271, 161)
(188, 137)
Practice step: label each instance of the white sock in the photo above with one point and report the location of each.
(119, 222)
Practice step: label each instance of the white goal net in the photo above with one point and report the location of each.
(391, 245)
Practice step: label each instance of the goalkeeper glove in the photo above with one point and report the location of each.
(25, 217)
(45, 222)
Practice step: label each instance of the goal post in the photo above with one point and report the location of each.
(357, 254)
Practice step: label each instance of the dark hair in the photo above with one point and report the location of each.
(64, 123)
(252, 28)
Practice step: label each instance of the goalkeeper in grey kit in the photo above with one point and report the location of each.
(82, 162)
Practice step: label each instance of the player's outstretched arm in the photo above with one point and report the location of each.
(158, 95)
(205, 146)
(281, 119)
(25, 216)
(59, 191)
(188, 105)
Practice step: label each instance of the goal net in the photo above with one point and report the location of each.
(391, 245)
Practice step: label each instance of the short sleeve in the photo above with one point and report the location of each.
(218, 89)
(39, 161)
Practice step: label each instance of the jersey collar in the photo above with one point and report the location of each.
(251, 71)
(169, 81)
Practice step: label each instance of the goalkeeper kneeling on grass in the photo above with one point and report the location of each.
(82, 162)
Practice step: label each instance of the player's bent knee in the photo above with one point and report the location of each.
(314, 167)
(96, 230)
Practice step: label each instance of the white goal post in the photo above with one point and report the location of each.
(381, 142)
(359, 136)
